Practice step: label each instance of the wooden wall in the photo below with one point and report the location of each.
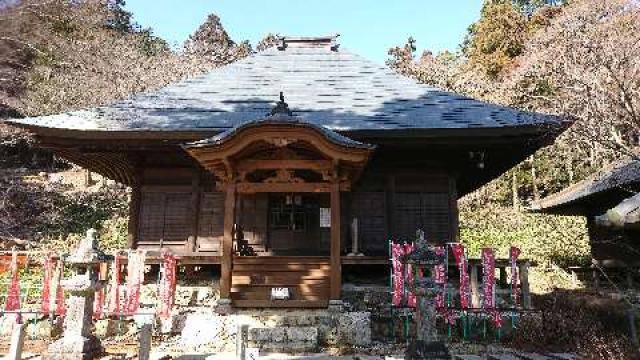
(395, 203)
(613, 247)
(180, 207)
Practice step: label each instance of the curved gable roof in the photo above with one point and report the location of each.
(327, 86)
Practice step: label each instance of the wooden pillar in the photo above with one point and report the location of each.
(191, 245)
(227, 241)
(390, 190)
(134, 215)
(336, 270)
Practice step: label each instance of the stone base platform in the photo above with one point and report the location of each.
(280, 330)
(77, 348)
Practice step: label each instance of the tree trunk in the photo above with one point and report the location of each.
(569, 167)
(534, 180)
(515, 201)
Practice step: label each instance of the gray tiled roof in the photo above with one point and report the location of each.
(619, 175)
(335, 89)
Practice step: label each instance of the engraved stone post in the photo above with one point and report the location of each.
(355, 251)
(241, 341)
(77, 341)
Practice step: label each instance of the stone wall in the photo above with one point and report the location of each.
(200, 329)
(375, 300)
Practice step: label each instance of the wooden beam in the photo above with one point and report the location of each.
(250, 188)
(227, 241)
(168, 188)
(249, 165)
(336, 266)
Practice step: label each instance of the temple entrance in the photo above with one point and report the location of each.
(292, 172)
(295, 227)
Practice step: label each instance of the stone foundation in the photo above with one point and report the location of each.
(291, 331)
(36, 327)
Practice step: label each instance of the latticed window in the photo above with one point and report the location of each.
(287, 212)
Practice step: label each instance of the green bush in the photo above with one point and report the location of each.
(553, 242)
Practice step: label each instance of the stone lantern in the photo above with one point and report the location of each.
(77, 340)
(427, 344)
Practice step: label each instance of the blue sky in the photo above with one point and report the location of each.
(367, 27)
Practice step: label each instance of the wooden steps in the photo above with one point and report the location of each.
(306, 277)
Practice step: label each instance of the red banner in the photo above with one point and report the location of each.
(440, 278)
(135, 277)
(114, 292)
(488, 279)
(397, 250)
(13, 298)
(60, 308)
(98, 304)
(461, 261)
(167, 288)
(411, 295)
(45, 300)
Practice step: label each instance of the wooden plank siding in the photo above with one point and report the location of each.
(307, 277)
(181, 207)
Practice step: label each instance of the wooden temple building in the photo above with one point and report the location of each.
(610, 203)
(277, 166)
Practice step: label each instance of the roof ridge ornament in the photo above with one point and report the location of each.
(328, 41)
(281, 107)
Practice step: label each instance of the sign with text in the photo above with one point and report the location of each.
(280, 294)
(325, 217)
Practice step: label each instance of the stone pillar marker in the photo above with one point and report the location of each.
(77, 341)
(17, 342)
(144, 351)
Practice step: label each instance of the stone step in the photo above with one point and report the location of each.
(534, 356)
(505, 356)
(284, 339)
(563, 356)
(468, 357)
(273, 317)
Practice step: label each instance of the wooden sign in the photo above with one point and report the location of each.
(280, 294)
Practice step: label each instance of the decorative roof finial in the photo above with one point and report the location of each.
(281, 107)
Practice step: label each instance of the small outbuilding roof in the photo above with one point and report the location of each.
(324, 84)
(622, 177)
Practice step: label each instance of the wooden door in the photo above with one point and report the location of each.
(252, 219)
(211, 221)
(294, 224)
